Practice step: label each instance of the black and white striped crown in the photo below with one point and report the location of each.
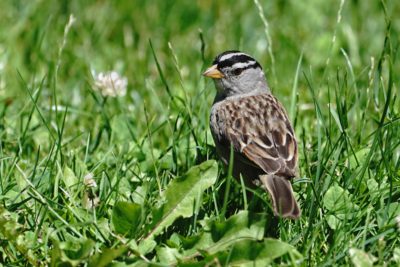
(235, 60)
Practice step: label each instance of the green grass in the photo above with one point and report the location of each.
(334, 65)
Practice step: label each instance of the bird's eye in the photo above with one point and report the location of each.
(237, 71)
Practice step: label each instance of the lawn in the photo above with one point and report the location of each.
(89, 177)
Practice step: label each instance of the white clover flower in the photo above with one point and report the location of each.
(89, 181)
(111, 84)
(89, 201)
(398, 222)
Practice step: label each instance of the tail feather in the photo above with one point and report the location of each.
(283, 201)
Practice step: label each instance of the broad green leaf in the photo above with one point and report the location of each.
(252, 253)
(338, 202)
(360, 258)
(219, 236)
(387, 215)
(248, 252)
(373, 188)
(334, 220)
(77, 250)
(358, 158)
(180, 196)
(69, 178)
(104, 231)
(146, 246)
(106, 256)
(243, 225)
(167, 255)
(139, 195)
(336, 199)
(126, 217)
(141, 263)
(124, 187)
(71, 252)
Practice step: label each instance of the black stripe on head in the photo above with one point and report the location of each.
(224, 60)
(217, 58)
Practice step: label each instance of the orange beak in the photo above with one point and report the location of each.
(213, 72)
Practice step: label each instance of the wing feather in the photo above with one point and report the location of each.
(266, 138)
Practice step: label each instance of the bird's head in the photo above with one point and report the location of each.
(236, 73)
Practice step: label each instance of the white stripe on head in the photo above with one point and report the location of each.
(241, 65)
(228, 56)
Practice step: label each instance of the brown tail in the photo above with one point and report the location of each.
(283, 201)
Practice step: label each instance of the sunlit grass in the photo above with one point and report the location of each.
(333, 65)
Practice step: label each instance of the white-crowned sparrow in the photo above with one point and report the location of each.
(246, 116)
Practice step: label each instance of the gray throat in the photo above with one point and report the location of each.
(222, 95)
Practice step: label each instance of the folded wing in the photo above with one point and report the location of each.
(265, 138)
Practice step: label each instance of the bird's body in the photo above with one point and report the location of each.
(246, 116)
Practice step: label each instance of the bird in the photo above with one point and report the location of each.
(247, 119)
